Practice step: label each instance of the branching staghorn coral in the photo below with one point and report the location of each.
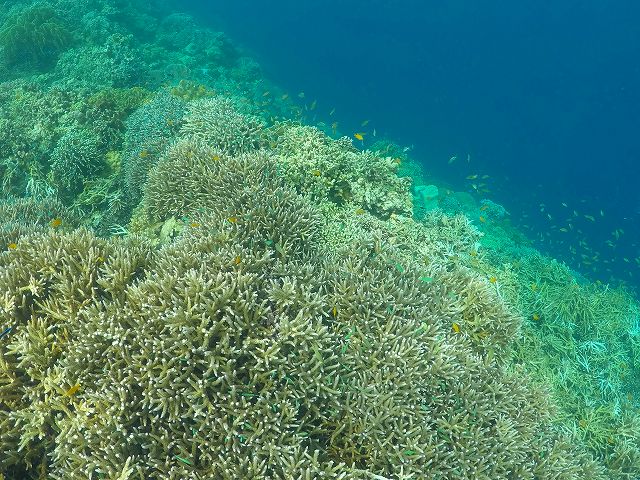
(577, 338)
(218, 123)
(21, 216)
(150, 129)
(116, 62)
(76, 156)
(335, 171)
(220, 356)
(195, 183)
(45, 281)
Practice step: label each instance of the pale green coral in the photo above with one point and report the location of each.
(76, 156)
(218, 123)
(575, 338)
(22, 216)
(335, 171)
(236, 351)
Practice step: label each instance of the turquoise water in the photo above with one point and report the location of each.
(291, 241)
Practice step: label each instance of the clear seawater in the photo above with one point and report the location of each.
(542, 96)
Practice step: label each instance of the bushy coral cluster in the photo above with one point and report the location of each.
(34, 37)
(114, 64)
(578, 339)
(75, 157)
(56, 141)
(149, 130)
(218, 123)
(235, 351)
(335, 171)
(22, 216)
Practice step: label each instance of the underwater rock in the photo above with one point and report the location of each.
(425, 199)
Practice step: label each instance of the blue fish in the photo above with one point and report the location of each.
(6, 331)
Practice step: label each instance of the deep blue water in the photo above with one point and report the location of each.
(543, 95)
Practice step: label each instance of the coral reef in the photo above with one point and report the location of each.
(578, 340)
(221, 356)
(217, 122)
(149, 130)
(75, 157)
(114, 64)
(22, 216)
(34, 36)
(194, 284)
(333, 170)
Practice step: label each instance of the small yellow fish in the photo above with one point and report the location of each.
(194, 224)
(215, 158)
(482, 219)
(144, 153)
(455, 327)
(72, 390)
(335, 311)
(534, 287)
(360, 211)
(536, 316)
(55, 223)
(316, 173)
(484, 207)
(493, 279)
(233, 219)
(237, 259)
(359, 136)
(12, 246)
